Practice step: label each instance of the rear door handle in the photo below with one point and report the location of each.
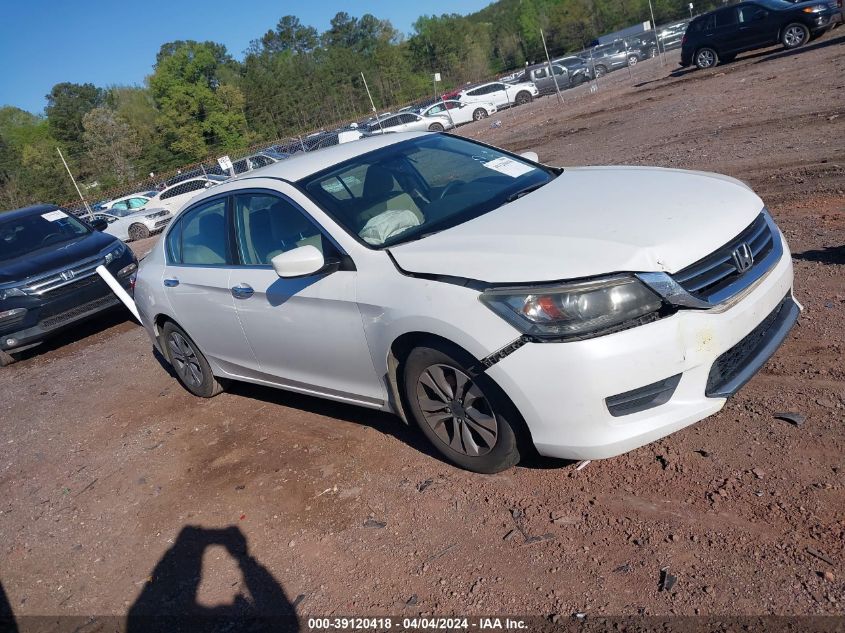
(242, 291)
(171, 282)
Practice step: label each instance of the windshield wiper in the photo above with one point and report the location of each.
(523, 192)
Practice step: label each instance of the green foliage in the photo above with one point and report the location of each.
(67, 103)
(200, 102)
(197, 113)
(111, 144)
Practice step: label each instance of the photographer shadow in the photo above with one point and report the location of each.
(168, 601)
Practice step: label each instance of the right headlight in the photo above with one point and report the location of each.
(574, 310)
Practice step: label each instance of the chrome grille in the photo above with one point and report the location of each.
(719, 275)
(60, 278)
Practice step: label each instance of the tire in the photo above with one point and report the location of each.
(705, 58)
(600, 71)
(193, 372)
(480, 113)
(138, 232)
(484, 438)
(522, 98)
(435, 127)
(6, 359)
(632, 60)
(794, 35)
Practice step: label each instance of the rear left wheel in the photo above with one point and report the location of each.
(706, 58)
(467, 418)
(191, 367)
(480, 113)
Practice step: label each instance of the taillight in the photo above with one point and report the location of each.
(684, 39)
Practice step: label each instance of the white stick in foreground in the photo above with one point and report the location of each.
(114, 284)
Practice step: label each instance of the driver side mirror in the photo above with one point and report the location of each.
(99, 224)
(532, 156)
(303, 261)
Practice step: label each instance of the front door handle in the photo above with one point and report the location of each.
(171, 282)
(242, 291)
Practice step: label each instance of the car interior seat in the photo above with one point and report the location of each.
(380, 194)
(208, 244)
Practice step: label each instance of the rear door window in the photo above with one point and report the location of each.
(726, 18)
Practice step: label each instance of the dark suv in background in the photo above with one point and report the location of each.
(722, 34)
(48, 278)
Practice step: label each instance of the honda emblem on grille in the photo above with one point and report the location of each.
(743, 257)
(67, 275)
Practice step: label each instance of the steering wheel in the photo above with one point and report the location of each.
(47, 238)
(452, 185)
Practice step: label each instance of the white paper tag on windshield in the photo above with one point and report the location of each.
(54, 215)
(509, 167)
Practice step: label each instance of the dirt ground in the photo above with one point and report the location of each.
(106, 460)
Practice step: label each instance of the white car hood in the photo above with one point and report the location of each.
(592, 221)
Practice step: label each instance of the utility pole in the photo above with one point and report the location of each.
(73, 180)
(551, 70)
(378, 118)
(656, 37)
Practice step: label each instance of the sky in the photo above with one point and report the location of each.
(108, 42)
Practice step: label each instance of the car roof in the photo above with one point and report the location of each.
(25, 211)
(303, 164)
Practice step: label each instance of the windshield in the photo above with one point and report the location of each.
(21, 235)
(420, 186)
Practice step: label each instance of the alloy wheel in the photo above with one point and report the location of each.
(184, 359)
(794, 36)
(456, 410)
(706, 58)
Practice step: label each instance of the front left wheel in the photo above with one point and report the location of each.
(138, 232)
(467, 418)
(435, 127)
(523, 97)
(191, 367)
(795, 35)
(480, 113)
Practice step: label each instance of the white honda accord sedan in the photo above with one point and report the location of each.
(499, 304)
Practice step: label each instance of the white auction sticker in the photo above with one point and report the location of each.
(509, 167)
(54, 215)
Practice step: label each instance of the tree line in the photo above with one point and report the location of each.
(199, 100)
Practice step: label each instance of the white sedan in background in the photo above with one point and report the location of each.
(498, 304)
(174, 196)
(134, 225)
(501, 94)
(410, 122)
(459, 112)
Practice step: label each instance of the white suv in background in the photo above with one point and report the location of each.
(498, 304)
(459, 112)
(133, 225)
(174, 196)
(501, 94)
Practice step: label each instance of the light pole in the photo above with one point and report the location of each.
(690, 10)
